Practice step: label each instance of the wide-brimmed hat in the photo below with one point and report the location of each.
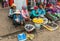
(13, 5)
(17, 12)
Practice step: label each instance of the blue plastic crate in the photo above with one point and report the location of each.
(22, 37)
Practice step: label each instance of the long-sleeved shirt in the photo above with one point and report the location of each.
(39, 12)
(25, 13)
(33, 13)
(11, 11)
(19, 17)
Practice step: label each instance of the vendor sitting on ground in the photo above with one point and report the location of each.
(41, 10)
(51, 10)
(12, 10)
(25, 13)
(37, 12)
(17, 18)
(34, 13)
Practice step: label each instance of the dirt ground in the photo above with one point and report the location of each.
(6, 27)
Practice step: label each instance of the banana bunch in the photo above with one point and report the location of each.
(38, 20)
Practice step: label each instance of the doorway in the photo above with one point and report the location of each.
(30, 4)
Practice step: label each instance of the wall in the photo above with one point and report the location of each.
(20, 3)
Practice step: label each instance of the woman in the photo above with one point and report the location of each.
(34, 13)
(25, 13)
(17, 18)
(41, 10)
(51, 13)
(12, 10)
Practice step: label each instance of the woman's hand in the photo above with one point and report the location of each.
(27, 18)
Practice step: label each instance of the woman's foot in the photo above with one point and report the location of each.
(22, 23)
